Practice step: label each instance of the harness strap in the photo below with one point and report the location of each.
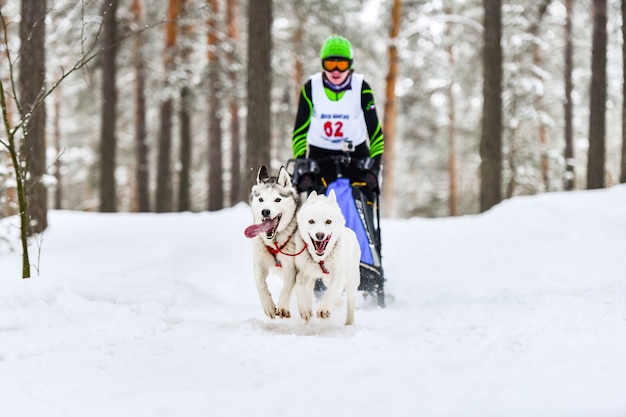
(275, 250)
(279, 249)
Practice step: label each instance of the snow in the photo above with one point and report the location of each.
(520, 311)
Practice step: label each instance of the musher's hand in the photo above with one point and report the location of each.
(306, 183)
(371, 179)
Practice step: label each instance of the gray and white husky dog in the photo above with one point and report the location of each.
(331, 251)
(274, 202)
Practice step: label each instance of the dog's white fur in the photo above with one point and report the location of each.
(273, 198)
(332, 253)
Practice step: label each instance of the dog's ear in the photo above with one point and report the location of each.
(331, 196)
(312, 195)
(284, 180)
(262, 175)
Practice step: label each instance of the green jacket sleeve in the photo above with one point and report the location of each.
(374, 129)
(303, 121)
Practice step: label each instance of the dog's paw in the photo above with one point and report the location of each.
(270, 311)
(283, 313)
(306, 316)
(323, 314)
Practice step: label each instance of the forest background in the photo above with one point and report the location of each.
(177, 95)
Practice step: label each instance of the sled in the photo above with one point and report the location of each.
(361, 210)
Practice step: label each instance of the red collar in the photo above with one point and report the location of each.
(275, 250)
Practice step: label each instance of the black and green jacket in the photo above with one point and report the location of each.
(305, 111)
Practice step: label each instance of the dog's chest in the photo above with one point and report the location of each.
(276, 254)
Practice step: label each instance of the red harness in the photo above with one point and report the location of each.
(323, 268)
(279, 249)
(275, 250)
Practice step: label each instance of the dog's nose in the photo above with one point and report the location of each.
(319, 236)
(265, 213)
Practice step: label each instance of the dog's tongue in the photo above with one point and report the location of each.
(263, 227)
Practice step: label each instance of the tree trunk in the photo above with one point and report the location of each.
(164, 168)
(11, 191)
(142, 166)
(258, 121)
(184, 176)
(300, 20)
(108, 199)
(31, 87)
(216, 188)
(597, 110)
(20, 181)
(389, 117)
(184, 179)
(453, 201)
(58, 176)
(164, 195)
(622, 176)
(491, 138)
(454, 194)
(539, 102)
(570, 173)
(236, 196)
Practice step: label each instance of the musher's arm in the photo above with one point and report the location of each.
(303, 121)
(374, 129)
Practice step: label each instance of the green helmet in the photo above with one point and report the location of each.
(336, 46)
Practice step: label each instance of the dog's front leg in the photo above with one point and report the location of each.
(284, 299)
(351, 297)
(333, 292)
(304, 295)
(260, 278)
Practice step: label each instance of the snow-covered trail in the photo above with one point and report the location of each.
(520, 311)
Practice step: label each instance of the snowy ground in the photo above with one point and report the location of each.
(520, 311)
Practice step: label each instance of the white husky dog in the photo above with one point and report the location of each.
(274, 202)
(332, 253)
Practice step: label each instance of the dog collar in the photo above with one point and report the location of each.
(275, 250)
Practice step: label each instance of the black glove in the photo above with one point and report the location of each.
(371, 179)
(372, 175)
(306, 183)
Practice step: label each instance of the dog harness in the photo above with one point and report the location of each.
(275, 250)
(322, 267)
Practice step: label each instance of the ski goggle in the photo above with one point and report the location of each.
(331, 64)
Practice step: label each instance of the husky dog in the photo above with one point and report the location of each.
(274, 202)
(332, 253)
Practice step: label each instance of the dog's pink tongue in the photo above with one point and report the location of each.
(263, 227)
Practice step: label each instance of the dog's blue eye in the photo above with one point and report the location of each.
(277, 200)
(329, 221)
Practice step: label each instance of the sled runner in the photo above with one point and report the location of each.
(360, 207)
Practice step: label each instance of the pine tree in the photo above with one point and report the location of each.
(258, 127)
(31, 88)
(597, 104)
(491, 140)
